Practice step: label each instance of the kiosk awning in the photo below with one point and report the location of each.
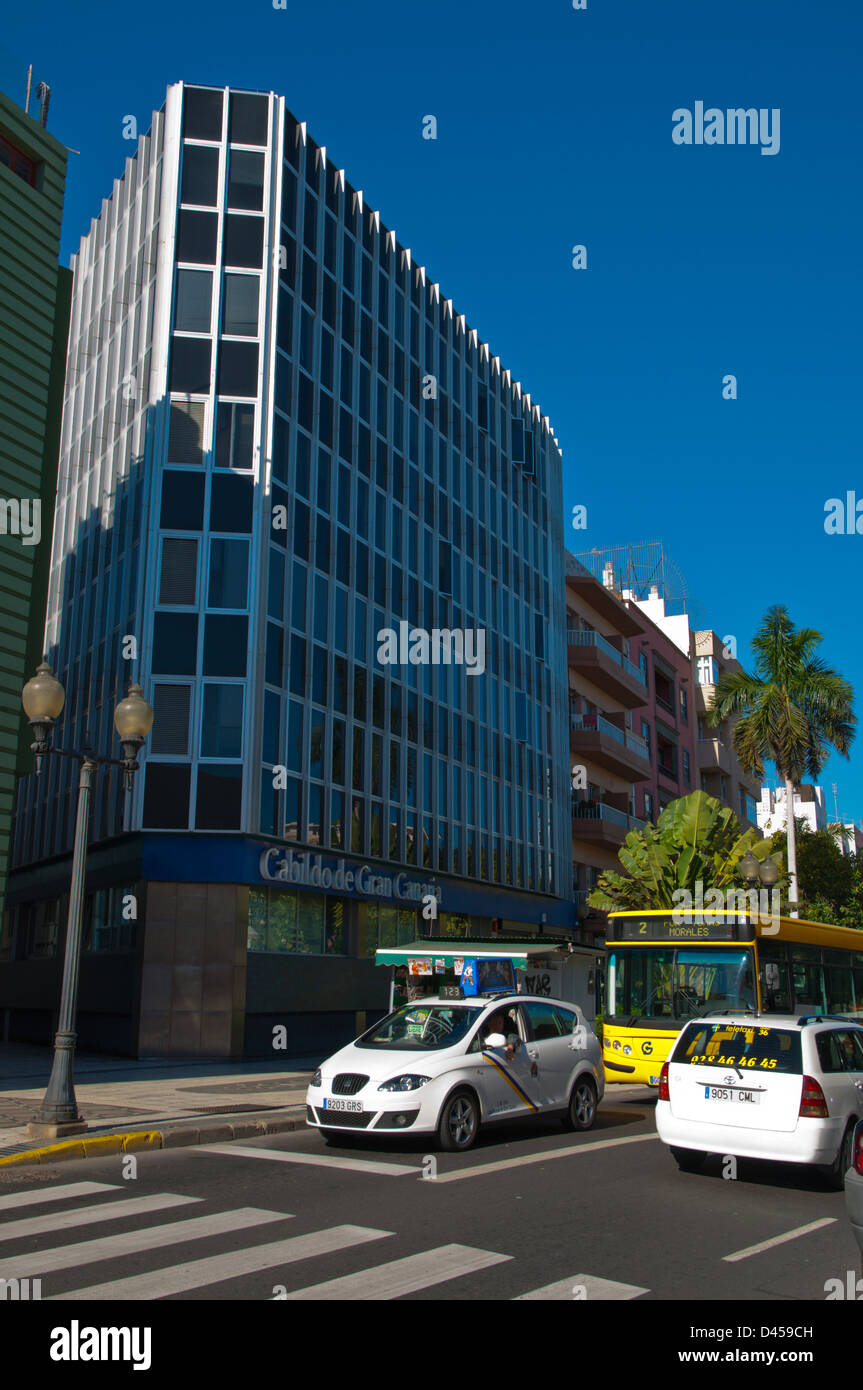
(519, 952)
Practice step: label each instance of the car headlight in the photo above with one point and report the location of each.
(408, 1082)
(316, 1079)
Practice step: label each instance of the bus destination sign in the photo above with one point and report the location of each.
(666, 929)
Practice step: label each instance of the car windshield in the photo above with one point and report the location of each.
(421, 1028)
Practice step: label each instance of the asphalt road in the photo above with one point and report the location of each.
(531, 1210)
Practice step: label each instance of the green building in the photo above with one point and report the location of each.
(35, 294)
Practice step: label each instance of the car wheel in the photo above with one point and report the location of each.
(582, 1105)
(458, 1125)
(834, 1173)
(336, 1138)
(688, 1160)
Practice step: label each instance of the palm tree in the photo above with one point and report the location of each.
(793, 711)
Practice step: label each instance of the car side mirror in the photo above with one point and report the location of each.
(495, 1040)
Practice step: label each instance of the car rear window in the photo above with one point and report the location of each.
(739, 1045)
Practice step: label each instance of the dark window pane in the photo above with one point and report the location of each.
(225, 642)
(182, 501)
(238, 369)
(275, 668)
(289, 198)
(244, 240)
(248, 118)
(235, 426)
(194, 293)
(196, 237)
(246, 180)
(284, 326)
(202, 114)
(190, 365)
(166, 796)
(229, 574)
(220, 796)
(231, 503)
(239, 306)
(222, 721)
(175, 644)
(200, 182)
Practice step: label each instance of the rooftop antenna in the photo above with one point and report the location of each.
(43, 92)
(29, 83)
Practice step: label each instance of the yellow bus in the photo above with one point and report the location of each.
(661, 974)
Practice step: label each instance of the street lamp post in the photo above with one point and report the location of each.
(43, 698)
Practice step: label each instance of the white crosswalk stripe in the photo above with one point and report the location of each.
(362, 1165)
(408, 1275)
(54, 1194)
(583, 1286)
(199, 1274)
(88, 1216)
(132, 1242)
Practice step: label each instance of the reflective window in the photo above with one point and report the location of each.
(220, 796)
(175, 644)
(196, 237)
(200, 179)
(202, 114)
(238, 368)
(235, 426)
(166, 796)
(244, 240)
(182, 500)
(248, 118)
(231, 503)
(239, 304)
(190, 365)
(225, 644)
(222, 721)
(229, 574)
(194, 294)
(246, 179)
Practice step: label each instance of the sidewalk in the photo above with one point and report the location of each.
(149, 1104)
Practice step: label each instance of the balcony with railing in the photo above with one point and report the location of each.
(619, 751)
(606, 667)
(598, 822)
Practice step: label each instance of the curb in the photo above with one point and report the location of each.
(171, 1137)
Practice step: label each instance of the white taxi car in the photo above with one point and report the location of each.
(446, 1066)
(764, 1086)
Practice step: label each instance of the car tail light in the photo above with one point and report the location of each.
(857, 1160)
(663, 1083)
(812, 1101)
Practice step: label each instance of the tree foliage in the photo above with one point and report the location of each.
(694, 838)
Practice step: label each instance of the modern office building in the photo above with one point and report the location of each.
(34, 322)
(303, 503)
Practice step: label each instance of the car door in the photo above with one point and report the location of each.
(839, 1054)
(549, 1050)
(507, 1085)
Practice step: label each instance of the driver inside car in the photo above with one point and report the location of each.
(502, 1022)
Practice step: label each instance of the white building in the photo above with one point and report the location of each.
(808, 806)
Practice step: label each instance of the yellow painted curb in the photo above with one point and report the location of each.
(88, 1148)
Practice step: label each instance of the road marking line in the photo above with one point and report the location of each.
(779, 1240)
(55, 1194)
(507, 1163)
(364, 1165)
(199, 1274)
(399, 1277)
(131, 1242)
(86, 1216)
(593, 1286)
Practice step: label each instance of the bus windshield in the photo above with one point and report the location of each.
(664, 983)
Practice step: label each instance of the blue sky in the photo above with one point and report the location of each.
(554, 129)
